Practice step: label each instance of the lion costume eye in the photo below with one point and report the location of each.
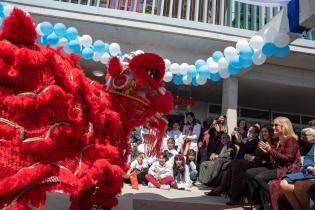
(152, 73)
(121, 81)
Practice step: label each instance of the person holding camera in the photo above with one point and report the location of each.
(239, 133)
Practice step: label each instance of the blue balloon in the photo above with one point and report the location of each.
(106, 47)
(217, 55)
(1, 7)
(119, 54)
(60, 29)
(43, 40)
(246, 53)
(192, 72)
(245, 63)
(204, 71)
(283, 52)
(269, 49)
(235, 62)
(74, 45)
(87, 53)
(215, 77)
(194, 82)
(177, 79)
(46, 28)
(71, 33)
(199, 63)
(234, 67)
(52, 39)
(99, 46)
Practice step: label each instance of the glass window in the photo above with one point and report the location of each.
(294, 118)
(306, 119)
(215, 109)
(253, 113)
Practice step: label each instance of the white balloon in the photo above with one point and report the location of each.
(270, 34)
(86, 40)
(224, 74)
(175, 68)
(97, 56)
(222, 63)
(38, 31)
(138, 52)
(63, 42)
(7, 10)
(210, 60)
(167, 64)
(114, 49)
(259, 58)
(214, 67)
(282, 40)
(105, 58)
(230, 53)
(183, 68)
(168, 76)
(201, 80)
(242, 43)
(186, 80)
(256, 42)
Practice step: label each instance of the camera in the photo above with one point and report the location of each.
(237, 129)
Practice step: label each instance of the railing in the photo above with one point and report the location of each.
(219, 12)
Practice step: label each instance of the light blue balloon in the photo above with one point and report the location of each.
(43, 40)
(245, 63)
(215, 77)
(71, 33)
(235, 62)
(99, 46)
(74, 45)
(60, 29)
(119, 54)
(204, 71)
(106, 47)
(233, 69)
(52, 39)
(192, 72)
(199, 63)
(283, 52)
(246, 53)
(269, 49)
(177, 79)
(1, 7)
(87, 53)
(194, 82)
(46, 28)
(217, 55)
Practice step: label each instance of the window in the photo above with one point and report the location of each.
(294, 118)
(253, 113)
(215, 109)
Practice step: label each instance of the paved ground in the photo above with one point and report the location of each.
(156, 199)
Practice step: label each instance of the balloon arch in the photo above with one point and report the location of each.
(220, 65)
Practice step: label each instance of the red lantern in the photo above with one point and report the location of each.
(189, 103)
(177, 102)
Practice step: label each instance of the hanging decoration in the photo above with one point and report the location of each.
(221, 65)
(189, 103)
(177, 102)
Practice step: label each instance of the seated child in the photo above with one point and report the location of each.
(176, 134)
(140, 166)
(181, 174)
(191, 163)
(160, 174)
(170, 151)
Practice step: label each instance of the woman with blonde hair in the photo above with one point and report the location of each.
(285, 159)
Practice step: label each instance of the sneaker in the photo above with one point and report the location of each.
(150, 185)
(165, 187)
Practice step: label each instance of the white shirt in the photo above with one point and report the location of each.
(136, 165)
(186, 183)
(163, 171)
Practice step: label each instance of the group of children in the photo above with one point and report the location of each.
(171, 169)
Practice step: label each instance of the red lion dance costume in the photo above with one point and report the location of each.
(61, 131)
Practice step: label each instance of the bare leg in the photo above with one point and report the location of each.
(301, 192)
(288, 190)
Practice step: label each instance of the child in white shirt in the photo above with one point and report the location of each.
(160, 174)
(176, 134)
(140, 166)
(170, 151)
(181, 174)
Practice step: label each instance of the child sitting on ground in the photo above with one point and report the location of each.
(170, 151)
(191, 163)
(140, 167)
(181, 174)
(160, 174)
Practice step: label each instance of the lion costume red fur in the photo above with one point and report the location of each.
(61, 131)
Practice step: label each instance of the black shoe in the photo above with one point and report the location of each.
(144, 183)
(233, 203)
(212, 193)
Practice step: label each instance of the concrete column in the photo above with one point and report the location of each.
(229, 102)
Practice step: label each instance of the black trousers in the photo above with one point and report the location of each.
(258, 178)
